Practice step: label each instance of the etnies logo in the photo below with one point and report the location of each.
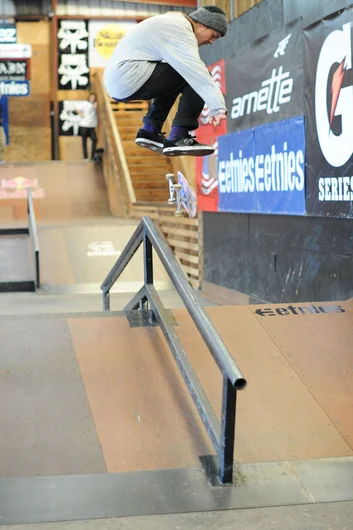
(299, 310)
(334, 99)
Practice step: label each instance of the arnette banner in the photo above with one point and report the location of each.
(262, 170)
(328, 56)
(265, 81)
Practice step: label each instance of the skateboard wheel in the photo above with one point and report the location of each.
(177, 186)
(178, 214)
(171, 201)
(169, 176)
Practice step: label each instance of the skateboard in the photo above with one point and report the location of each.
(182, 194)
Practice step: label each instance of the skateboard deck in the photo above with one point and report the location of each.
(182, 194)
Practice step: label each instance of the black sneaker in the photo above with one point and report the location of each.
(188, 145)
(152, 141)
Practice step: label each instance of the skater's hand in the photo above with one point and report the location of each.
(217, 120)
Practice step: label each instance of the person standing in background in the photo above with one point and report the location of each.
(89, 121)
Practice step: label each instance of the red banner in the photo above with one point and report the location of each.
(207, 166)
(217, 71)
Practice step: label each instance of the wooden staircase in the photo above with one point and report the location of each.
(147, 169)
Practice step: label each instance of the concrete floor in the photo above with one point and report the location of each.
(328, 516)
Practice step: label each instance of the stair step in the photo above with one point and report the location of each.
(149, 184)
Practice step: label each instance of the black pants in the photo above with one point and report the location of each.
(163, 87)
(88, 132)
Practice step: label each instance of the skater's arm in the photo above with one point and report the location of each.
(181, 51)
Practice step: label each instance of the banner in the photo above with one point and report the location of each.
(14, 88)
(4, 111)
(206, 167)
(15, 51)
(8, 33)
(103, 38)
(73, 69)
(217, 71)
(262, 170)
(14, 69)
(328, 53)
(265, 80)
(69, 123)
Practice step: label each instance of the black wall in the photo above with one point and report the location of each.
(277, 258)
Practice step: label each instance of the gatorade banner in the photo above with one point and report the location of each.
(262, 170)
(328, 53)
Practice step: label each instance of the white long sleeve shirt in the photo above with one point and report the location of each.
(169, 38)
(89, 118)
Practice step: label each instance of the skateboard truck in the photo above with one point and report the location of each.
(174, 191)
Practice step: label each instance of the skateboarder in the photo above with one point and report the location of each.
(158, 60)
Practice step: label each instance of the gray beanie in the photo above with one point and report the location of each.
(211, 16)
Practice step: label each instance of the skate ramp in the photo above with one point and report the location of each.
(89, 393)
(65, 191)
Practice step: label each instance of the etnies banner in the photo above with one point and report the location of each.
(265, 81)
(328, 53)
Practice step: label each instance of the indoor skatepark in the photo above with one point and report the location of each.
(93, 402)
(171, 372)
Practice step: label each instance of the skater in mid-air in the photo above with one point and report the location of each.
(158, 60)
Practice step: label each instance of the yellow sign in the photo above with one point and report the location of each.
(107, 38)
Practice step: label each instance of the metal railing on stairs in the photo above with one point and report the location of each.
(221, 433)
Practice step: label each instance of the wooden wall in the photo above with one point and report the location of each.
(29, 117)
(239, 6)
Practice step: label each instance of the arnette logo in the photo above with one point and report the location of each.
(274, 92)
(332, 82)
(299, 310)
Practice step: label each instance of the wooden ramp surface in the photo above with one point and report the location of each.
(136, 412)
(280, 416)
(60, 190)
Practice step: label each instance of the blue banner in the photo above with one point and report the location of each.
(14, 88)
(4, 113)
(262, 170)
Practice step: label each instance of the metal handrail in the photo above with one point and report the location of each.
(222, 435)
(117, 140)
(32, 228)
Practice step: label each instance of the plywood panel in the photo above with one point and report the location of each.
(278, 417)
(55, 266)
(28, 144)
(29, 117)
(71, 190)
(46, 424)
(37, 32)
(40, 70)
(318, 345)
(30, 112)
(72, 94)
(143, 416)
(71, 147)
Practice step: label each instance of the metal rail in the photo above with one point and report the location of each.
(221, 433)
(32, 228)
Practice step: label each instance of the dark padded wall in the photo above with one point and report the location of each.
(277, 258)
